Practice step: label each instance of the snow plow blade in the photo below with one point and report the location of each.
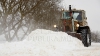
(77, 35)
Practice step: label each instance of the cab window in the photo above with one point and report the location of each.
(77, 16)
(66, 15)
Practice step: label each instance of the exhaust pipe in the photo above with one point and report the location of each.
(70, 8)
(70, 11)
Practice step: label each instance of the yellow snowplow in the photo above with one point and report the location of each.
(74, 23)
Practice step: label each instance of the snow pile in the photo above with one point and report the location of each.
(57, 39)
(42, 43)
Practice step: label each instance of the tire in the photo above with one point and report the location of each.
(86, 37)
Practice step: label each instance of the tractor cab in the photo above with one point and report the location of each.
(72, 19)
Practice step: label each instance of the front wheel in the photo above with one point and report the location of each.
(86, 37)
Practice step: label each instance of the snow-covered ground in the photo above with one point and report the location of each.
(48, 43)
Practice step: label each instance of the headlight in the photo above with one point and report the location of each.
(55, 26)
(77, 25)
(62, 9)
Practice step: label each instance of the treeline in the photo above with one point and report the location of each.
(23, 16)
(95, 36)
(19, 17)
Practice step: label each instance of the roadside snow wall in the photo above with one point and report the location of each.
(42, 43)
(57, 39)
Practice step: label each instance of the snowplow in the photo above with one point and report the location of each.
(74, 23)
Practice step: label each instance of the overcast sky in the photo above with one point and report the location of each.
(92, 8)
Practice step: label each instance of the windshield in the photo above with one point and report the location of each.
(77, 15)
(66, 15)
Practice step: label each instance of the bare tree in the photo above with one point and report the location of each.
(95, 36)
(26, 15)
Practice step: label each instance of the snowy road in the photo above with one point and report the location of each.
(48, 43)
(28, 49)
(93, 50)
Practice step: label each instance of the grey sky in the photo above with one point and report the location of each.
(92, 8)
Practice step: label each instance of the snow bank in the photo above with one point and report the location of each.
(57, 39)
(42, 43)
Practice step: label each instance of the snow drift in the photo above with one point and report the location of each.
(42, 43)
(55, 38)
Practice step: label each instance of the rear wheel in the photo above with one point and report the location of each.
(86, 37)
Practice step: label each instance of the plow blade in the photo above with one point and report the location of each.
(77, 35)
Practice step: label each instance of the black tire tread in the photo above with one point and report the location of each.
(84, 33)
